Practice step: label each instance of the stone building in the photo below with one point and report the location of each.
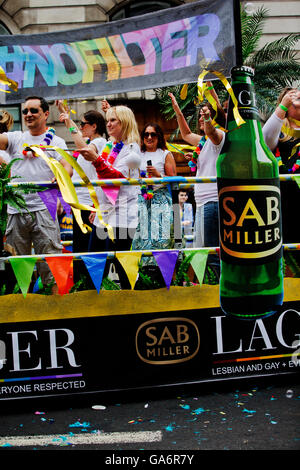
(37, 16)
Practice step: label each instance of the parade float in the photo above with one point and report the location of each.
(111, 340)
(102, 340)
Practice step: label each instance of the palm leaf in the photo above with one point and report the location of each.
(276, 66)
(5, 168)
(12, 195)
(252, 29)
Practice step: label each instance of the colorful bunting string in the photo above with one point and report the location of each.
(62, 265)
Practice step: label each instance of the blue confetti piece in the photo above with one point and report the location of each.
(170, 428)
(78, 424)
(198, 411)
(185, 407)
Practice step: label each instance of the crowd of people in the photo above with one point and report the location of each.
(141, 217)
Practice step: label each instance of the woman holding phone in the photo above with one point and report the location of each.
(155, 223)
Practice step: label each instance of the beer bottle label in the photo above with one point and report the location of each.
(244, 93)
(249, 220)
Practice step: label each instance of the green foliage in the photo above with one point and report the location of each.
(291, 262)
(181, 271)
(275, 64)
(10, 195)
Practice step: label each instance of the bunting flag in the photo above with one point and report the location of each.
(166, 261)
(297, 179)
(62, 270)
(111, 194)
(198, 263)
(130, 262)
(23, 269)
(66, 206)
(95, 265)
(49, 198)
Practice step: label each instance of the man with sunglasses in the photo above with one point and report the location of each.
(37, 227)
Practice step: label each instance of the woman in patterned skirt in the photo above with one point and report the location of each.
(155, 225)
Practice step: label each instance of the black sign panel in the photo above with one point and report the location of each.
(96, 354)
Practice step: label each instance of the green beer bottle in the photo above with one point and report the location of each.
(251, 282)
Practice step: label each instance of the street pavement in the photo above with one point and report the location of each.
(233, 416)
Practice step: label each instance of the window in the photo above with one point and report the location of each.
(3, 29)
(140, 8)
(14, 110)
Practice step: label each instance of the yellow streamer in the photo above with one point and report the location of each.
(67, 108)
(203, 91)
(179, 147)
(295, 121)
(90, 187)
(183, 91)
(67, 188)
(291, 132)
(7, 81)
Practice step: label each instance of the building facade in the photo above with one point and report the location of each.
(36, 16)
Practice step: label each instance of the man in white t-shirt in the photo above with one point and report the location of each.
(36, 228)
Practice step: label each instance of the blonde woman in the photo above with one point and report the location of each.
(122, 161)
(6, 123)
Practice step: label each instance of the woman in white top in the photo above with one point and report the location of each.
(123, 161)
(6, 123)
(90, 131)
(282, 135)
(210, 141)
(154, 230)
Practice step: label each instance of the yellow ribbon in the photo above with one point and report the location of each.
(291, 132)
(7, 81)
(294, 149)
(203, 91)
(179, 147)
(67, 188)
(183, 91)
(295, 121)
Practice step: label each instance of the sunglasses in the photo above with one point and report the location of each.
(83, 123)
(150, 134)
(32, 110)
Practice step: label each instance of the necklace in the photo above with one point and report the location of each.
(294, 153)
(50, 133)
(111, 151)
(193, 162)
(146, 190)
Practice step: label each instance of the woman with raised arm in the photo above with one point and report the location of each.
(90, 131)
(282, 135)
(208, 142)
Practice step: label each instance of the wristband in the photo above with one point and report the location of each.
(73, 130)
(207, 120)
(210, 88)
(284, 108)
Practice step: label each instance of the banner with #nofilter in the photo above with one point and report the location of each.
(149, 51)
